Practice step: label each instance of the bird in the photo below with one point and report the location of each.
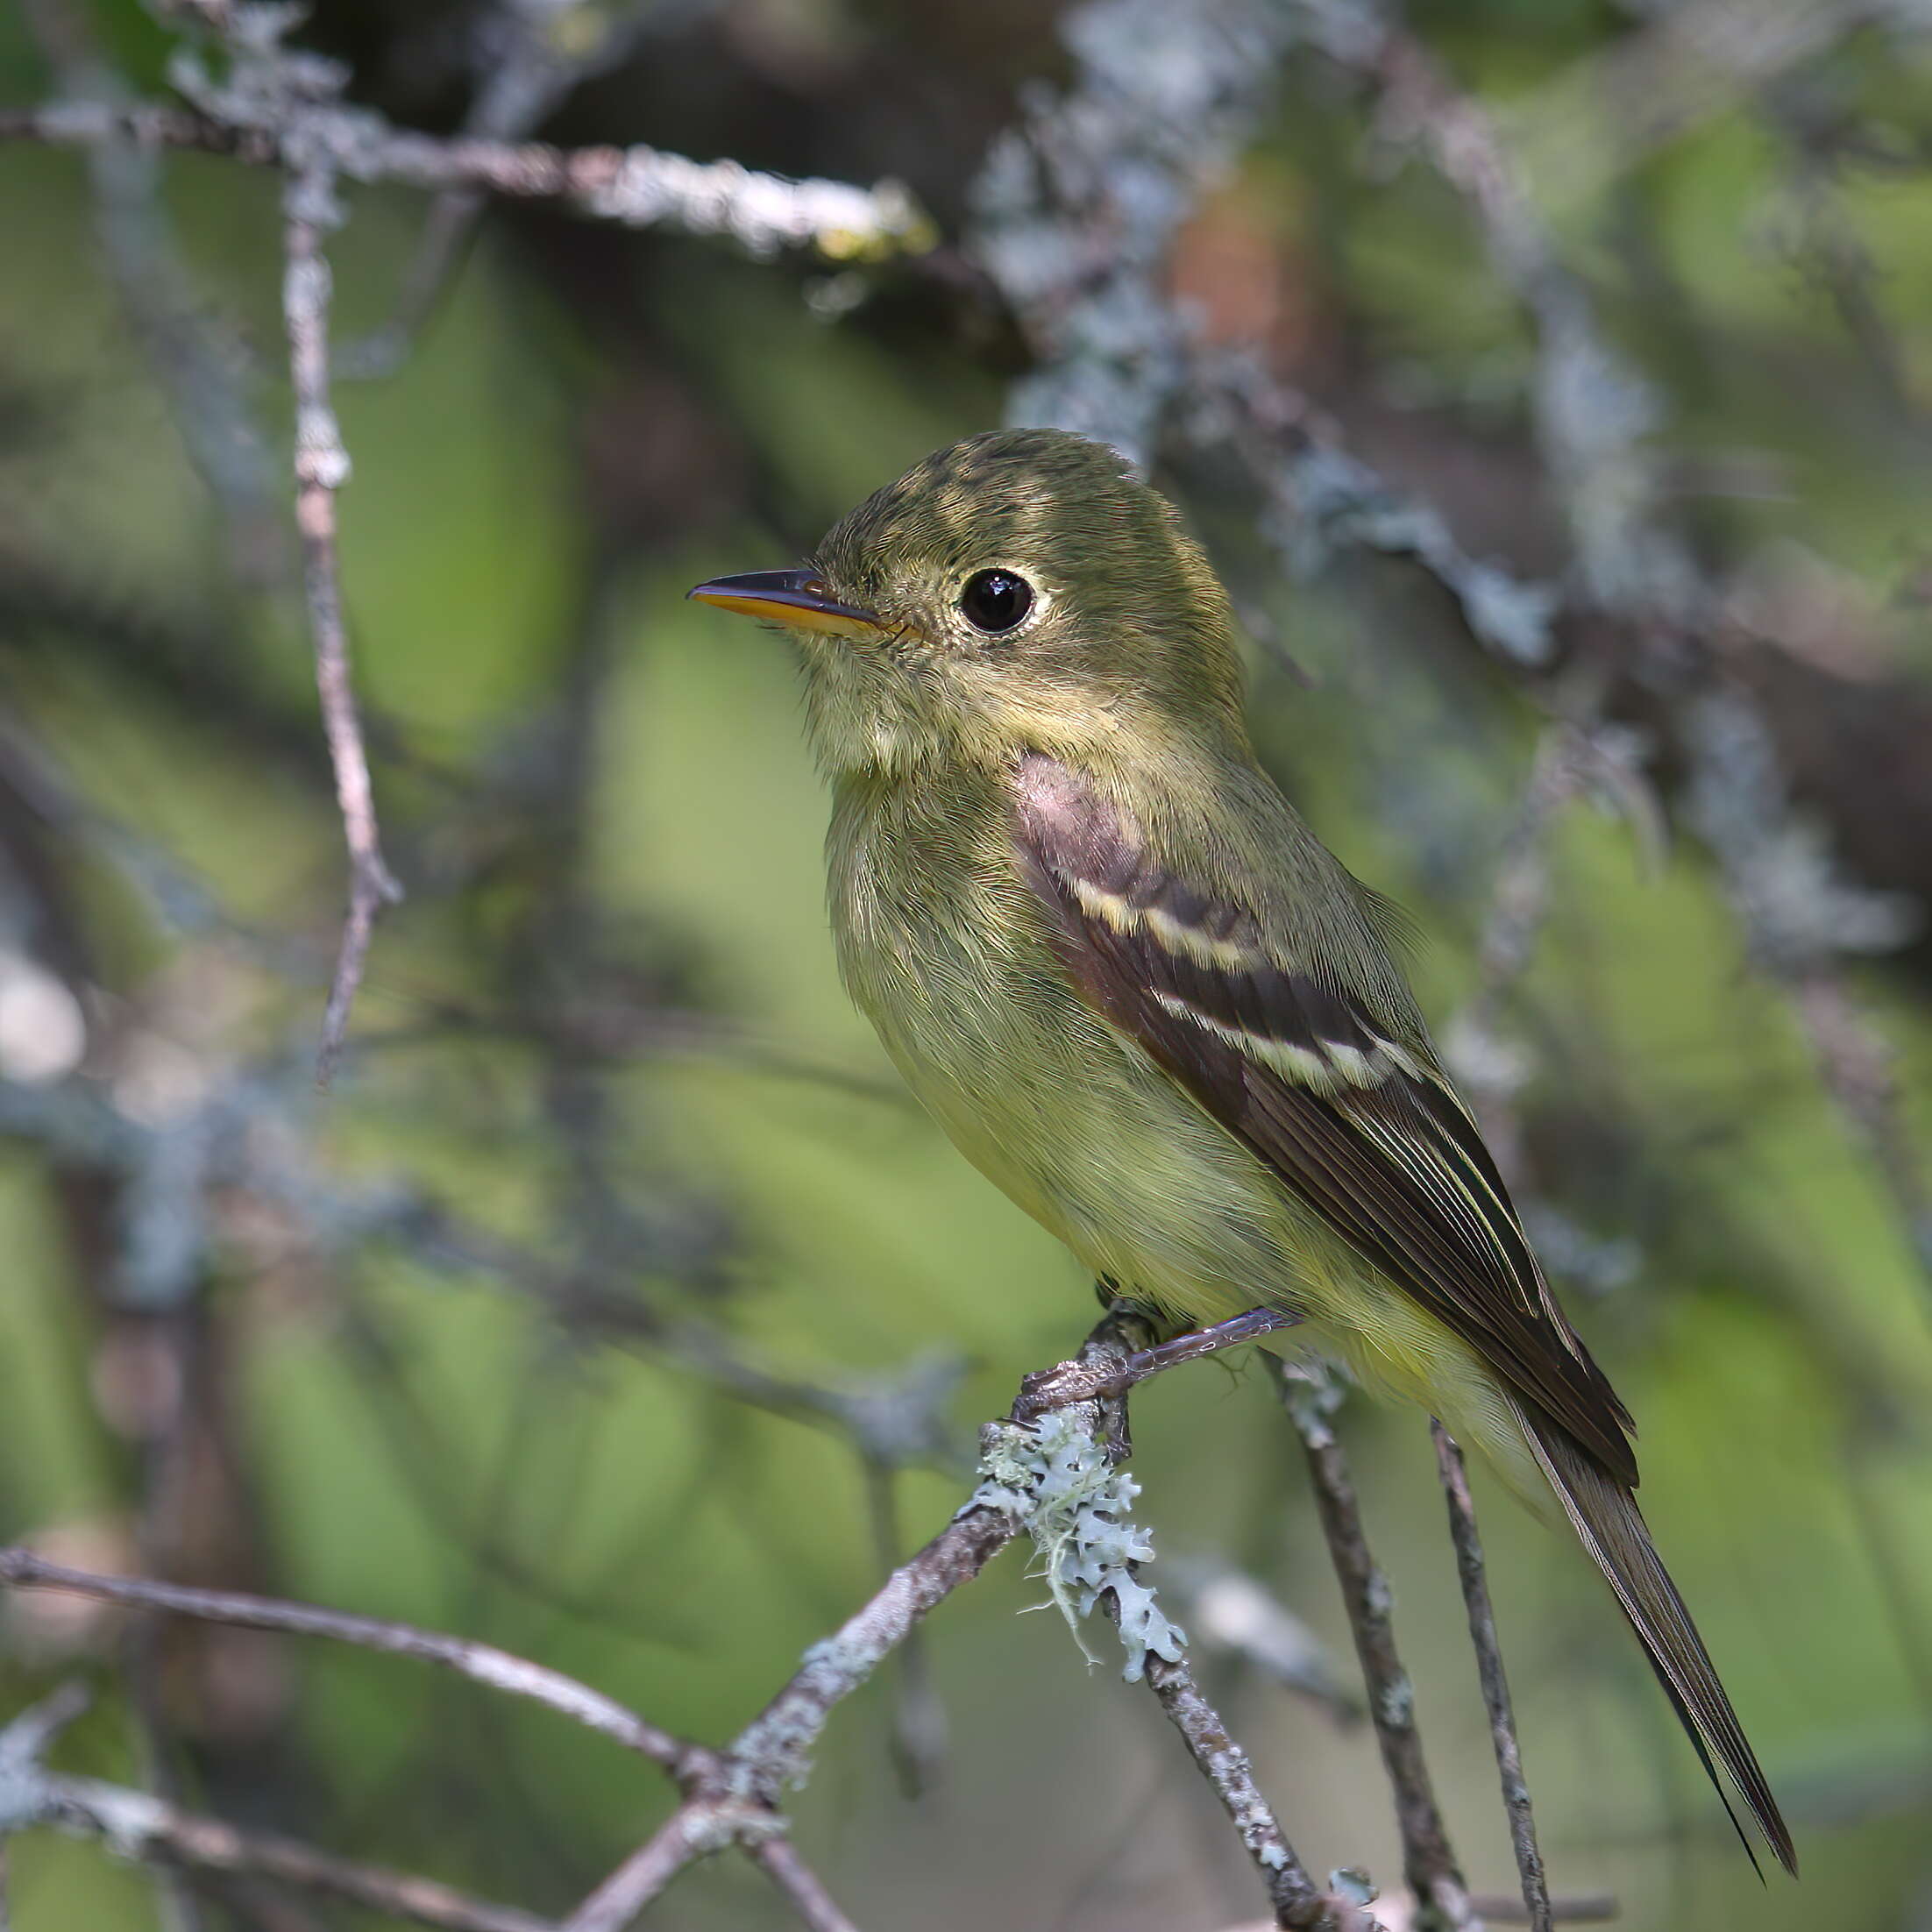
(1140, 995)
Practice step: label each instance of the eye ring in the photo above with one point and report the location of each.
(996, 600)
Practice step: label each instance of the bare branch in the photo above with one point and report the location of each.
(321, 467)
(1428, 1863)
(1496, 1685)
(736, 1800)
(482, 1663)
(919, 1730)
(778, 1860)
(698, 1829)
(635, 187)
(1224, 1764)
(139, 1826)
(775, 1749)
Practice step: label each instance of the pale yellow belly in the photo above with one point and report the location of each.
(1102, 1149)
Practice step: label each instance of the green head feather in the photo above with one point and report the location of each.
(1126, 629)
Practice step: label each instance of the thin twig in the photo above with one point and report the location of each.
(1429, 1864)
(140, 1826)
(696, 1830)
(778, 1860)
(483, 1663)
(1297, 1901)
(1495, 1684)
(321, 467)
(739, 1804)
(776, 1746)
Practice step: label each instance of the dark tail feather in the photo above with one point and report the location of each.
(1607, 1518)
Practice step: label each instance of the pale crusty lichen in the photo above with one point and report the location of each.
(1054, 1475)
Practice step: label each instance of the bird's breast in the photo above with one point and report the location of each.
(945, 948)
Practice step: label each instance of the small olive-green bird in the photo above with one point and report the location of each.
(1144, 999)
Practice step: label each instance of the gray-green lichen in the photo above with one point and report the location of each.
(1397, 1703)
(1351, 1883)
(1313, 1390)
(1055, 1477)
(775, 1750)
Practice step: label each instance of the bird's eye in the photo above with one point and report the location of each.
(996, 599)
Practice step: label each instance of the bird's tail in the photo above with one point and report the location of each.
(1613, 1530)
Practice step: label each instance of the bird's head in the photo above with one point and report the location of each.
(1020, 591)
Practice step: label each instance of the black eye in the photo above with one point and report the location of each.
(996, 599)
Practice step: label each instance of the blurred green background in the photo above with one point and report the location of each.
(414, 1347)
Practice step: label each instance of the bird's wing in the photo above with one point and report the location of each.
(1363, 1128)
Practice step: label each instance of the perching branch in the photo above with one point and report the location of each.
(731, 1798)
(738, 1804)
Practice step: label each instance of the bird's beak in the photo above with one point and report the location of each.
(794, 597)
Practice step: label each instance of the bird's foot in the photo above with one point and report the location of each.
(1109, 1377)
(1247, 1327)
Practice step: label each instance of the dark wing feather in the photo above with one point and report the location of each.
(1363, 1128)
